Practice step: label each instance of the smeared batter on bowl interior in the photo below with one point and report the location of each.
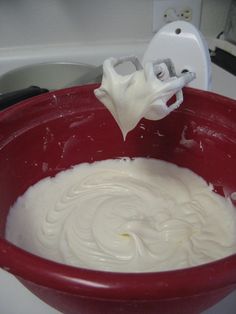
(124, 215)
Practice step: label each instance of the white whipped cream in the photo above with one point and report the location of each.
(141, 94)
(124, 215)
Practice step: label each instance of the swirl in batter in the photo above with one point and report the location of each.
(123, 215)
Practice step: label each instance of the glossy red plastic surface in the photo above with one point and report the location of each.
(52, 132)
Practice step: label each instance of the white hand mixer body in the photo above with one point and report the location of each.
(145, 92)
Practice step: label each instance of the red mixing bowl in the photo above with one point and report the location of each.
(51, 132)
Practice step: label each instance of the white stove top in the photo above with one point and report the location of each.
(24, 301)
(222, 81)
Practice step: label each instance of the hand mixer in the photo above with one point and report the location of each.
(176, 56)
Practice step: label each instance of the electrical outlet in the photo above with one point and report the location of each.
(186, 14)
(166, 11)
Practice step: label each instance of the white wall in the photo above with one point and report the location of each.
(30, 22)
(27, 22)
(214, 15)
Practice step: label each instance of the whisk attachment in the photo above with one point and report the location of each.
(143, 93)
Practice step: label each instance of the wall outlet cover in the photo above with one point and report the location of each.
(165, 11)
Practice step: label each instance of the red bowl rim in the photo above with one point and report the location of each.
(110, 285)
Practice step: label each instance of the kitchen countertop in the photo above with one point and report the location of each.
(223, 82)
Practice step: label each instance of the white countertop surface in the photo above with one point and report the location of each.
(223, 82)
